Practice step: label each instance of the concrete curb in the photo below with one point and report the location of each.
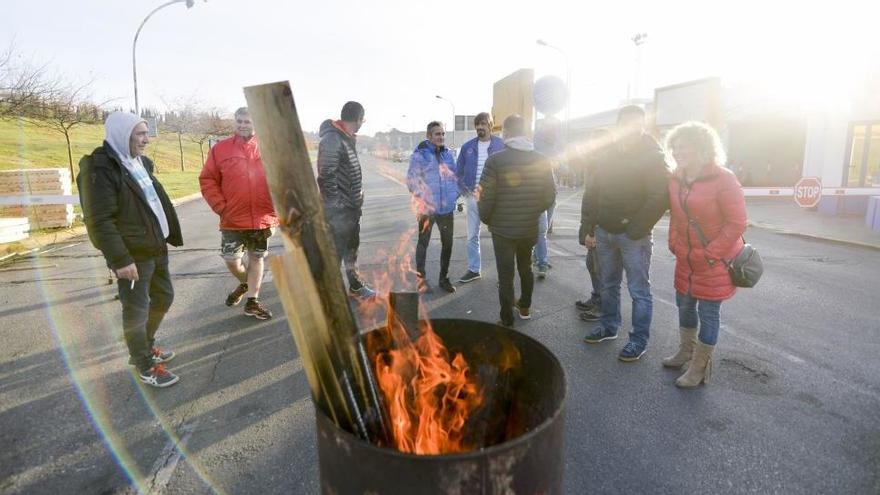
(780, 230)
(48, 239)
(186, 199)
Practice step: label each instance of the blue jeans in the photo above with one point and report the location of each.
(619, 253)
(144, 307)
(544, 222)
(593, 270)
(690, 309)
(473, 233)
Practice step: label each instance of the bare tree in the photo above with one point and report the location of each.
(23, 84)
(63, 109)
(181, 119)
(209, 125)
(180, 122)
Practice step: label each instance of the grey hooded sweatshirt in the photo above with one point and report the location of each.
(118, 128)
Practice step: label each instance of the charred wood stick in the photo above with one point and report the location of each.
(300, 211)
(405, 307)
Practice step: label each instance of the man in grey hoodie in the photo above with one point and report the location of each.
(130, 219)
(515, 188)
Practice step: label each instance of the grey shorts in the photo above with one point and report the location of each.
(233, 243)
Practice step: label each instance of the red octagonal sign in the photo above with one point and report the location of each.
(808, 192)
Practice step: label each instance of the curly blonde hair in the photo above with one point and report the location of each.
(702, 137)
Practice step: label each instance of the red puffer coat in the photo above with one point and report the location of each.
(233, 183)
(715, 201)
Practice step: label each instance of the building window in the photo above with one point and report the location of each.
(863, 169)
(464, 122)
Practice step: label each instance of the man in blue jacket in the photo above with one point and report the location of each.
(434, 186)
(471, 158)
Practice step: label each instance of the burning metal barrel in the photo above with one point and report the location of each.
(516, 431)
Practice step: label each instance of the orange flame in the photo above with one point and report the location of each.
(429, 394)
(429, 397)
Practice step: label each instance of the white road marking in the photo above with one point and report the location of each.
(728, 329)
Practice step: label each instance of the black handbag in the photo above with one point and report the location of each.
(746, 268)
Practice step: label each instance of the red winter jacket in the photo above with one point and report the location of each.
(233, 183)
(715, 201)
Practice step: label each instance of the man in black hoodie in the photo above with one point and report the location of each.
(515, 188)
(627, 196)
(341, 182)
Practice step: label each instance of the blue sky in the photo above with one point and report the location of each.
(394, 56)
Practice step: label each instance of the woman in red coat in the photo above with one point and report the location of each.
(708, 218)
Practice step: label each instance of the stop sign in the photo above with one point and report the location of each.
(808, 192)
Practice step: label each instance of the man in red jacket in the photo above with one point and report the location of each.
(233, 183)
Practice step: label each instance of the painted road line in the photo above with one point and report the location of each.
(728, 329)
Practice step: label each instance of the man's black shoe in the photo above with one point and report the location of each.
(590, 315)
(362, 292)
(469, 277)
(255, 309)
(587, 305)
(446, 285)
(235, 296)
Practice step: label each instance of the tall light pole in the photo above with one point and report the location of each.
(638, 40)
(541, 42)
(189, 4)
(453, 115)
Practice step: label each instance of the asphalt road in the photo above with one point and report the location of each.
(794, 405)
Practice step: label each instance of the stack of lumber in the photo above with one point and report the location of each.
(13, 229)
(37, 182)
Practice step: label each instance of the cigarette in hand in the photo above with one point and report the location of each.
(132, 285)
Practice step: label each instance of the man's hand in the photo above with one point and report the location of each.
(129, 272)
(590, 241)
(584, 237)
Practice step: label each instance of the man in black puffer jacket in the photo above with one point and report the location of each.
(130, 219)
(341, 182)
(515, 188)
(627, 196)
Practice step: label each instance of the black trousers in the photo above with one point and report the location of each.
(426, 225)
(345, 226)
(144, 307)
(513, 254)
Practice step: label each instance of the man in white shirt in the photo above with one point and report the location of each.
(470, 164)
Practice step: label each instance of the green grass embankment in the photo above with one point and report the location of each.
(26, 146)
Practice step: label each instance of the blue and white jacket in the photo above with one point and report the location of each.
(431, 179)
(468, 157)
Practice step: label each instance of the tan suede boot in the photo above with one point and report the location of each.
(699, 369)
(688, 338)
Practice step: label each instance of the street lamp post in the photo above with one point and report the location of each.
(638, 40)
(453, 115)
(189, 4)
(541, 42)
